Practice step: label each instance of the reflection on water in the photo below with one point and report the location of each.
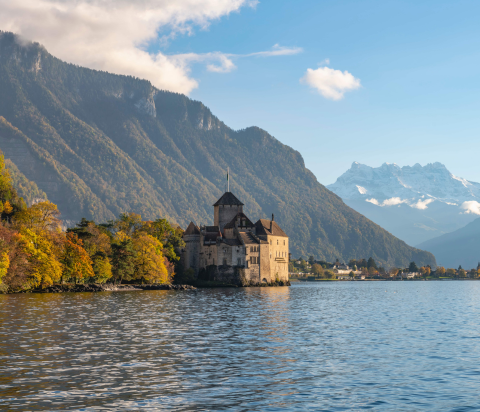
(332, 346)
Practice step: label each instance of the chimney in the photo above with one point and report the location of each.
(271, 223)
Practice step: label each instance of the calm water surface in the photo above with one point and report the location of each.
(394, 346)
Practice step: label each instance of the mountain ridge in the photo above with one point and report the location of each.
(415, 203)
(100, 144)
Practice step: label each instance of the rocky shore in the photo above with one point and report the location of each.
(108, 287)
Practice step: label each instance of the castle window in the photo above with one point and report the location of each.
(251, 248)
(270, 242)
(277, 241)
(225, 262)
(239, 261)
(283, 243)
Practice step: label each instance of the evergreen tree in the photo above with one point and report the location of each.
(371, 263)
(123, 261)
(412, 268)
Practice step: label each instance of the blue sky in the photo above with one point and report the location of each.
(417, 64)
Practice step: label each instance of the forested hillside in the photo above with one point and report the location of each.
(100, 144)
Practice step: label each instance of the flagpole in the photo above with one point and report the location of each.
(228, 180)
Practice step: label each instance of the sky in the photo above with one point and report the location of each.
(339, 81)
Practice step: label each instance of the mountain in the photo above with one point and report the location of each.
(414, 203)
(100, 144)
(460, 247)
(25, 188)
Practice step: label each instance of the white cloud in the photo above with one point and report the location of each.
(330, 83)
(114, 35)
(422, 204)
(223, 62)
(471, 206)
(277, 50)
(393, 201)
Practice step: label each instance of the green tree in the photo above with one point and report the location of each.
(412, 267)
(317, 270)
(123, 261)
(371, 263)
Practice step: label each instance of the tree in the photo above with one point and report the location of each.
(451, 272)
(393, 272)
(351, 274)
(101, 267)
(4, 265)
(41, 216)
(94, 237)
(40, 251)
(317, 270)
(149, 261)
(371, 263)
(440, 271)
(170, 236)
(412, 268)
(123, 263)
(77, 264)
(462, 273)
(329, 274)
(311, 260)
(7, 208)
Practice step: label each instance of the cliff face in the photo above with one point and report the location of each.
(100, 144)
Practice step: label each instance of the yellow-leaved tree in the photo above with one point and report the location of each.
(39, 217)
(4, 265)
(149, 260)
(41, 252)
(76, 262)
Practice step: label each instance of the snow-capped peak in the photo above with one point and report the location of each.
(407, 184)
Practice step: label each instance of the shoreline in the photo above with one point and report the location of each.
(96, 287)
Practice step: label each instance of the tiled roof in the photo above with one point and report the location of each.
(231, 224)
(232, 242)
(212, 229)
(210, 237)
(192, 229)
(263, 228)
(247, 238)
(228, 198)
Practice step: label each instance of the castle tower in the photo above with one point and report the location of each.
(191, 236)
(225, 209)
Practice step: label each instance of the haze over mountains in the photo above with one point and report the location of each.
(100, 144)
(414, 203)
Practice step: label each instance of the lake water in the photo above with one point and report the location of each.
(333, 346)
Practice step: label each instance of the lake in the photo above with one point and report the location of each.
(333, 346)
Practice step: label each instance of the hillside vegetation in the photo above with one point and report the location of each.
(100, 144)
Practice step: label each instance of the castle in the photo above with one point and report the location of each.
(235, 250)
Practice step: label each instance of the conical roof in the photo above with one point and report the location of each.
(228, 198)
(192, 229)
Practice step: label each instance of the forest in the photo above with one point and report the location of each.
(35, 252)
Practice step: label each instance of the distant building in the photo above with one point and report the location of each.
(235, 250)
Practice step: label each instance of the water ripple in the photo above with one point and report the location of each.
(396, 346)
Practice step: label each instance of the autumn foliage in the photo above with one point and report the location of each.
(36, 252)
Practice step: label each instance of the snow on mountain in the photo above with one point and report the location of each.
(415, 203)
(417, 186)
